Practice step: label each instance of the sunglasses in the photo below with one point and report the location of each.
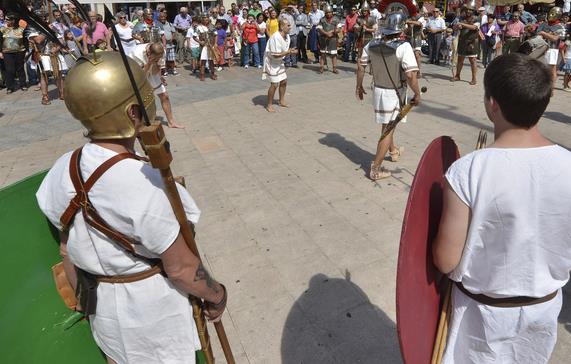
(122, 17)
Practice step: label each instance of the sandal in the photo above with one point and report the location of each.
(320, 70)
(45, 100)
(396, 154)
(378, 173)
(335, 71)
(454, 79)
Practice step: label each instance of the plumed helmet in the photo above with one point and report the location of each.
(98, 94)
(365, 6)
(555, 13)
(327, 8)
(393, 23)
(148, 11)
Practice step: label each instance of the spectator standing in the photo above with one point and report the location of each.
(566, 54)
(350, 36)
(193, 45)
(272, 24)
(262, 38)
(182, 22)
(250, 42)
(255, 10)
(93, 31)
(302, 24)
(525, 16)
(375, 12)
(513, 34)
(436, 28)
(290, 14)
(72, 50)
(58, 26)
(314, 17)
(125, 31)
(566, 6)
(490, 31)
(167, 31)
(13, 45)
(220, 42)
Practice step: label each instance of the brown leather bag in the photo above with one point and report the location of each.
(63, 286)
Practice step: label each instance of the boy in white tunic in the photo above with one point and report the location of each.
(147, 319)
(504, 237)
(274, 67)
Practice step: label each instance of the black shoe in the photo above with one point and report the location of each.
(431, 62)
(437, 63)
(293, 66)
(8, 92)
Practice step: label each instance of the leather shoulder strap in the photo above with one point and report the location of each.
(81, 200)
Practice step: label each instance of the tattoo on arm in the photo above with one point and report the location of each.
(202, 274)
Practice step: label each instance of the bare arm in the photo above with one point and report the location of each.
(449, 243)
(412, 82)
(188, 274)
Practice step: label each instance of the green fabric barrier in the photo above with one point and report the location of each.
(36, 326)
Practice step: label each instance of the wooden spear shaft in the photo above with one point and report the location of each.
(158, 151)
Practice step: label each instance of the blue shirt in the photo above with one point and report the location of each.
(527, 18)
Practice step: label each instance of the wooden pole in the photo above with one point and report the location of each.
(156, 146)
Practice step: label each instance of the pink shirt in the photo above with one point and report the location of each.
(514, 29)
(99, 33)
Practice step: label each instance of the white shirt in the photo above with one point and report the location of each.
(127, 326)
(190, 34)
(262, 29)
(518, 244)
(376, 13)
(436, 23)
(315, 17)
(274, 68)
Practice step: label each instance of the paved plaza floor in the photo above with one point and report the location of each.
(305, 243)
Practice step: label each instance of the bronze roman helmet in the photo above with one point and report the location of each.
(554, 14)
(98, 94)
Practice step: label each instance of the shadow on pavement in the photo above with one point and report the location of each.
(448, 114)
(557, 116)
(334, 322)
(565, 315)
(349, 149)
(260, 100)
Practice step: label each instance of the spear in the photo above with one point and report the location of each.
(157, 148)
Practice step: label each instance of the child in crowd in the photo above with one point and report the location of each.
(446, 50)
(250, 42)
(100, 46)
(73, 51)
(567, 64)
(229, 50)
(193, 45)
(220, 41)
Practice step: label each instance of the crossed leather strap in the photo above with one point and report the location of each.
(92, 217)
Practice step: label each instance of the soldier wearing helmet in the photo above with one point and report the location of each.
(125, 242)
(327, 30)
(366, 27)
(468, 43)
(394, 66)
(553, 34)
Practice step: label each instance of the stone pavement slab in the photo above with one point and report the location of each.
(305, 243)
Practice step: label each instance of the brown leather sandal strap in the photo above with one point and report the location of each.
(131, 277)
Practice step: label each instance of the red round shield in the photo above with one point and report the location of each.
(418, 294)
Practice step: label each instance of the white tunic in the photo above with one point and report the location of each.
(518, 244)
(274, 68)
(385, 101)
(147, 321)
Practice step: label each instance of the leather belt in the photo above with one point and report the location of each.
(131, 277)
(518, 301)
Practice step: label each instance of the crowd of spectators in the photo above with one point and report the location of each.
(242, 31)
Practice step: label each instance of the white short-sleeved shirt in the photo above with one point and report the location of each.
(519, 241)
(518, 244)
(127, 326)
(274, 68)
(190, 34)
